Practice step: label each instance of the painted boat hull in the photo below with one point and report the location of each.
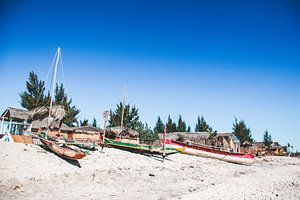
(197, 150)
(146, 149)
(64, 151)
(86, 146)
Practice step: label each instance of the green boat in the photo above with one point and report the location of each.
(87, 146)
(142, 148)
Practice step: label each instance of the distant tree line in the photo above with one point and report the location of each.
(36, 95)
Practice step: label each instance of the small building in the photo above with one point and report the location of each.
(260, 149)
(56, 128)
(14, 121)
(225, 140)
(85, 133)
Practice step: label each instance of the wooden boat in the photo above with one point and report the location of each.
(86, 145)
(142, 148)
(63, 151)
(210, 152)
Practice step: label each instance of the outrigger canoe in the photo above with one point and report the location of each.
(87, 146)
(142, 148)
(209, 152)
(61, 150)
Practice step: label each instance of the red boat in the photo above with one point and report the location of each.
(210, 152)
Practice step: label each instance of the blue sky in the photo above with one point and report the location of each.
(219, 59)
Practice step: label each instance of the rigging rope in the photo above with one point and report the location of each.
(62, 70)
(51, 66)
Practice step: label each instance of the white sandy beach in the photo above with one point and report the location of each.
(29, 172)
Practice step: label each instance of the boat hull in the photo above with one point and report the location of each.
(197, 150)
(64, 152)
(144, 149)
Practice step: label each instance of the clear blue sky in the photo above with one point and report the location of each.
(219, 59)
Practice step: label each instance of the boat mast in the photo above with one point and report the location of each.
(123, 104)
(54, 81)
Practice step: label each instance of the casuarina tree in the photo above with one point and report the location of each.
(241, 131)
(202, 125)
(130, 117)
(267, 139)
(159, 126)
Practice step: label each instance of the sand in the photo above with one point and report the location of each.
(29, 172)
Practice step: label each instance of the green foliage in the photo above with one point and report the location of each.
(189, 129)
(61, 98)
(159, 127)
(241, 131)
(171, 126)
(84, 122)
(34, 96)
(181, 125)
(94, 124)
(202, 126)
(267, 139)
(145, 132)
(130, 118)
(212, 134)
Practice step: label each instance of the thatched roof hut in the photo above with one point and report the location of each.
(123, 132)
(16, 114)
(57, 113)
(224, 139)
(87, 130)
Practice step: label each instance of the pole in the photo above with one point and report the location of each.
(53, 83)
(123, 104)
(164, 143)
(105, 115)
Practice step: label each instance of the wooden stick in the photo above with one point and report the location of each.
(105, 115)
(164, 143)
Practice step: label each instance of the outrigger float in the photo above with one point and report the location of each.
(142, 148)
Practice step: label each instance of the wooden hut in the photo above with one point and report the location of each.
(85, 133)
(225, 140)
(14, 121)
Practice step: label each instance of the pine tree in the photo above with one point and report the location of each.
(84, 122)
(145, 132)
(171, 127)
(241, 131)
(189, 129)
(61, 98)
(202, 126)
(181, 125)
(130, 118)
(94, 124)
(267, 139)
(159, 127)
(34, 96)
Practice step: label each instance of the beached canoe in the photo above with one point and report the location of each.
(86, 145)
(209, 152)
(142, 148)
(63, 151)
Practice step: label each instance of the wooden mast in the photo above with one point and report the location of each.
(123, 104)
(164, 143)
(53, 85)
(105, 115)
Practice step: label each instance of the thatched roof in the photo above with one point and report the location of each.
(16, 114)
(123, 131)
(87, 130)
(195, 136)
(57, 112)
(45, 123)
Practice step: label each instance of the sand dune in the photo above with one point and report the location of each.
(29, 172)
